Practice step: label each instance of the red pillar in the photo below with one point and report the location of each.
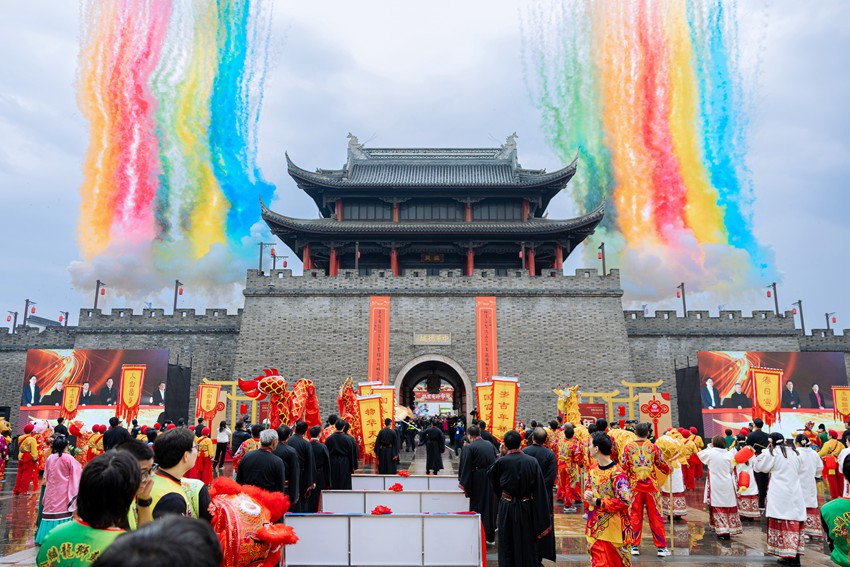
(339, 209)
(559, 258)
(467, 212)
(394, 261)
(333, 264)
(395, 212)
(529, 252)
(308, 261)
(526, 210)
(470, 261)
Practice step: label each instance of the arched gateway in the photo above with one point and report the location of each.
(423, 368)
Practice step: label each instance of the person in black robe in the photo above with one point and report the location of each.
(435, 444)
(290, 460)
(523, 506)
(306, 465)
(487, 436)
(261, 468)
(386, 449)
(355, 449)
(339, 451)
(549, 466)
(475, 460)
(323, 468)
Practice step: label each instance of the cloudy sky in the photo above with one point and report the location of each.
(426, 74)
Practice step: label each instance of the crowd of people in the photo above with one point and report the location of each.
(616, 478)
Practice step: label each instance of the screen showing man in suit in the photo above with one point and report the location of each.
(710, 395)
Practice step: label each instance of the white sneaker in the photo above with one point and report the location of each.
(635, 550)
(664, 552)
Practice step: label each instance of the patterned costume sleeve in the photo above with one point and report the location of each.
(623, 498)
(660, 464)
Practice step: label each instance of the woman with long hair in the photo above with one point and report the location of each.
(786, 508)
(720, 489)
(222, 441)
(812, 466)
(61, 484)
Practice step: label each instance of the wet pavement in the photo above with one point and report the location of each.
(692, 543)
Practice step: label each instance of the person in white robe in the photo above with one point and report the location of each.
(786, 508)
(675, 483)
(721, 488)
(748, 489)
(812, 466)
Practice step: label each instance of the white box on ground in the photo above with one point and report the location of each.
(344, 502)
(452, 540)
(314, 547)
(443, 502)
(398, 502)
(375, 540)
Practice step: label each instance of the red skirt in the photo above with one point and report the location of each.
(748, 506)
(726, 521)
(785, 538)
(680, 504)
(813, 527)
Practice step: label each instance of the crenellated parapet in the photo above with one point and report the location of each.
(27, 338)
(158, 321)
(448, 282)
(700, 323)
(826, 340)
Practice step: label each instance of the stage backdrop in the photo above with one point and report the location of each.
(94, 376)
(812, 375)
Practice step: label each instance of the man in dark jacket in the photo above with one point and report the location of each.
(115, 435)
(238, 437)
(342, 459)
(486, 435)
(261, 468)
(290, 461)
(387, 449)
(322, 459)
(306, 465)
(475, 459)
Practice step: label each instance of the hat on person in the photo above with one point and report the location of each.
(205, 431)
(744, 431)
(170, 427)
(114, 422)
(693, 430)
(28, 428)
(833, 433)
(144, 429)
(685, 433)
(157, 425)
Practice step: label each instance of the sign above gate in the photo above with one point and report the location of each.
(432, 338)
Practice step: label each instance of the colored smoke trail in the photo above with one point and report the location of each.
(652, 96)
(172, 92)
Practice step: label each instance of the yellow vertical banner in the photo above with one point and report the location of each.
(484, 400)
(485, 338)
(767, 384)
(130, 390)
(370, 420)
(841, 397)
(207, 402)
(365, 388)
(505, 398)
(387, 394)
(70, 400)
(379, 339)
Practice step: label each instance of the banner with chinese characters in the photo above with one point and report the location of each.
(371, 420)
(655, 409)
(207, 402)
(841, 396)
(484, 401)
(70, 400)
(379, 339)
(387, 394)
(130, 391)
(485, 338)
(766, 393)
(365, 388)
(505, 398)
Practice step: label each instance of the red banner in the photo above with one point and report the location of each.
(207, 402)
(379, 339)
(70, 401)
(130, 392)
(767, 384)
(485, 337)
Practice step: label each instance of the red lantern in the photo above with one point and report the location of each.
(273, 254)
(520, 253)
(768, 293)
(621, 410)
(243, 408)
(794, 311)
(678, 293)
(834, 319)
(103, 291)
(32, 310)
(180, 291)
(284, 263)
(8, 317)
(599, 255)
(61, 318)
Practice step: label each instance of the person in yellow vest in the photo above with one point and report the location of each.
(700, 445)
(95, 444)
(175, 451)
(203, 470)
(27, 461)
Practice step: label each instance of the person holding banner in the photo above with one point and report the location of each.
(786, 508)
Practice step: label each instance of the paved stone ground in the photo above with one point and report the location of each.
(692, 543)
